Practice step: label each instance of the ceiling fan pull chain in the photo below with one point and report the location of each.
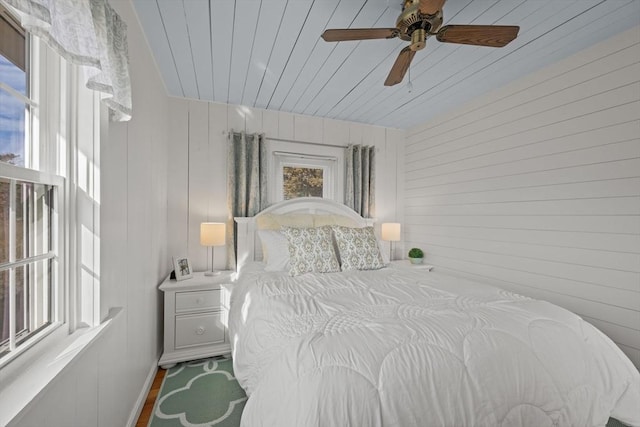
(409, 84)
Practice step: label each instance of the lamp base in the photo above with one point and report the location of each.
(212, 273)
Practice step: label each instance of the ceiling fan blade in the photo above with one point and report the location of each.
(478, 35)
(359, 34)
(430, 7)
(400, 67)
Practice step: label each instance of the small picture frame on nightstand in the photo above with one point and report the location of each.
(182, 268)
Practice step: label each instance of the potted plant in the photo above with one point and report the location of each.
(416, 256)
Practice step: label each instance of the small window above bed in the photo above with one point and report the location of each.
(302, 182)
(300, 175)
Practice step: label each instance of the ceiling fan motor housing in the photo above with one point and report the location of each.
(415, 27)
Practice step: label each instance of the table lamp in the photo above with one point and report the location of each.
(390, 233)
(212, 234)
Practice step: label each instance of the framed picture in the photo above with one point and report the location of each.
(182, 267)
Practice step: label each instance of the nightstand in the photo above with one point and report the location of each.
(195, 317)
(405, 263)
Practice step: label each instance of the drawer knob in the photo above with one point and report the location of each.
(200, 300)
(200, 330)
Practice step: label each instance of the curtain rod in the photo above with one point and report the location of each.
(307, 142)
(305, 156)
(299, 142)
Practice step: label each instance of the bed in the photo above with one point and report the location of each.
(402, 347)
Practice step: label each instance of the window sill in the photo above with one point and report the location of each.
(17, 394)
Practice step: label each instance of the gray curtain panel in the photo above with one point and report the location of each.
(246, 183)
(360, 194)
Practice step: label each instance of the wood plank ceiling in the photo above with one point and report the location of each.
(269, 54)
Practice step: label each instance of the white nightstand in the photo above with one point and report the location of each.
(405, 263)
(195, 317)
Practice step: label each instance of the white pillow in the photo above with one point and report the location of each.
(359, 248)
(321, 220)
(275, 250)
(311, 250)
(384, 252)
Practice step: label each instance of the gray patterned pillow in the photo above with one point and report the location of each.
(310, 250)
(358, 248)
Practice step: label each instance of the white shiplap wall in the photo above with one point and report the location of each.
(536, 187)
(198, 163)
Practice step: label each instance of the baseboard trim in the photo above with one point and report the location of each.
(142, 397)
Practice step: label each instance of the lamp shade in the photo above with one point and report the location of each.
(212, 233)
(391, 231)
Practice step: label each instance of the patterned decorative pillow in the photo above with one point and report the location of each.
(310, 250)
(358, 248)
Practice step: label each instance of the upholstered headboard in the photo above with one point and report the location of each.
(309, 211)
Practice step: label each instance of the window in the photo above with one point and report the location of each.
(14, 97)
(30, 306)
(27, 260)
(304, 175)
(302, 182)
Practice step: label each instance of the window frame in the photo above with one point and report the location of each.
(295, 160)
(46, 159)
(302, 154)
(57, 318)
(31, 104)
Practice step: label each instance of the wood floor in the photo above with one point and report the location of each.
(145, 415)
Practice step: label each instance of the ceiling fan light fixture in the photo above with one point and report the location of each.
(418, 39)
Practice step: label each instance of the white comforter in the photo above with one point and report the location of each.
(400, 348)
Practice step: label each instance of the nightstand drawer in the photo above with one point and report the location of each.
(199, 329)
(197, 300)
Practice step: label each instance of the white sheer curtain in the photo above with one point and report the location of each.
(88, 33)
(360, 189)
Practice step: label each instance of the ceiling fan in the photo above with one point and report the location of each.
(419, 20)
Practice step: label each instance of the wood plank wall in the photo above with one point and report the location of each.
(536, 187)
(198, 163)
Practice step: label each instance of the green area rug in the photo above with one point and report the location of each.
(205, 393)
(199, 393)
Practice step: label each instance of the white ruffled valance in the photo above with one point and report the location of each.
(88, 33)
